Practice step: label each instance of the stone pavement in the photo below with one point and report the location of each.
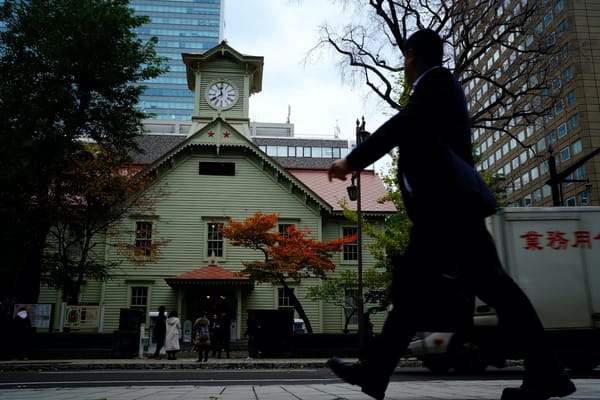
(334, 389)
(587, 389)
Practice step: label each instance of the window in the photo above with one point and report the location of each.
(525, 178)
(523, 157)
(527, 200)
(571, 202)
(214, 242)
(282, 151)
(567, 74)
(552, 137)
(540, 145)
(574, 122)
(577, 147)
(350, 250)
(515, 163)
(556, 84)
(546, 190)
(561, 28)
(559, 6)
(564, 52)
(580, 173)
(535, 173)
(350, 306)
(562, 130)
(537, 196)
(143, 238)
(558, 107)
(219, 168)
(583, 198)
(283, 229)
(571, 98)
(283, 300)
(565, 154)
(139, 298)
(548, 18)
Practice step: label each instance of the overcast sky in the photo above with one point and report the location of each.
(283, 31)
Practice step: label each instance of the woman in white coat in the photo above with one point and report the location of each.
(172, 337)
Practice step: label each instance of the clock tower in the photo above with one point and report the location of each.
(223, 80)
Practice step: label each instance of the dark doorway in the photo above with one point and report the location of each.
(211, 300)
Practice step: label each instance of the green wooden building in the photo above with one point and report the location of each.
(202, 180)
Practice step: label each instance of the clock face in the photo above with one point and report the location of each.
(221, 94)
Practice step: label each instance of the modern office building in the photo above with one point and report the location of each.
(570, 132)
(182, 26)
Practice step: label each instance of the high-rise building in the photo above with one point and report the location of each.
(182, 26)
(570, 132)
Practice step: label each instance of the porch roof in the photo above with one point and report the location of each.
(211, 274)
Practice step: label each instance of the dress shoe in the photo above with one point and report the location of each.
(541, 389)
(360, 374)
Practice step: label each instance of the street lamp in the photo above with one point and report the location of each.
(355, 195)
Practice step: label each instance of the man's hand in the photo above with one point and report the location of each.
(339, 169)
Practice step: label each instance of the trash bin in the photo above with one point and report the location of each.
(126, 339)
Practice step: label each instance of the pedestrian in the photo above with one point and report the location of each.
(431, 132)
(252, 332)
(172, 335)
(21, 334)
(202, 337)
(225, 335)
(160, 331)
(215, 332)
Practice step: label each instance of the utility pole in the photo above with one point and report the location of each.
(354, 193)
(557, 178)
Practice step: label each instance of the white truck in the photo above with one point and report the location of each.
(554, 256)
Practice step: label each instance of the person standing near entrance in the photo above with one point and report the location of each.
(202, 337)
(172, 337)
(160, 331)
(431, 131)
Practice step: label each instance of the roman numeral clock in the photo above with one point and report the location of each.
(221, 94)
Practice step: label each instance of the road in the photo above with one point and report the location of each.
(229, 377)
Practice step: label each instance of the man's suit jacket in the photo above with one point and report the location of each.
(434, 121)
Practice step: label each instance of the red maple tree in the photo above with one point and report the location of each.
(290, 256)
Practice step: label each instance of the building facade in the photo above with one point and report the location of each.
(175, 255)
(570, 132)
(180, 26)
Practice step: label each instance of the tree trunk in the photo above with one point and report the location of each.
(297, 306)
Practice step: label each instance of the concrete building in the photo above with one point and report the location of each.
(570, 132)
(181, 26)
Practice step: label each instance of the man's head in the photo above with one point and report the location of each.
(422, 50)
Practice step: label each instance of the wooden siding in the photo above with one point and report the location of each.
(185, 203)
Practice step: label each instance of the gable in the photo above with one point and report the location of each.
(221, 142)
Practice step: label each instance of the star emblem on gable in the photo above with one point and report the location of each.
(226, 134)
(211, 134)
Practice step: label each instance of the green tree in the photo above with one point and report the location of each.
(71, 73)
(94, 193)
(341, 291)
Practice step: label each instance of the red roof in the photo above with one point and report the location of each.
(372, 189)
(210, 273)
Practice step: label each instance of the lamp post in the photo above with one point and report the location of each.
(354, 194)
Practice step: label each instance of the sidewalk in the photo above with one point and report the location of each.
(331, 389)
(425, 390)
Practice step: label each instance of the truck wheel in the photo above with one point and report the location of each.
(467, 354)
(438, 364)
